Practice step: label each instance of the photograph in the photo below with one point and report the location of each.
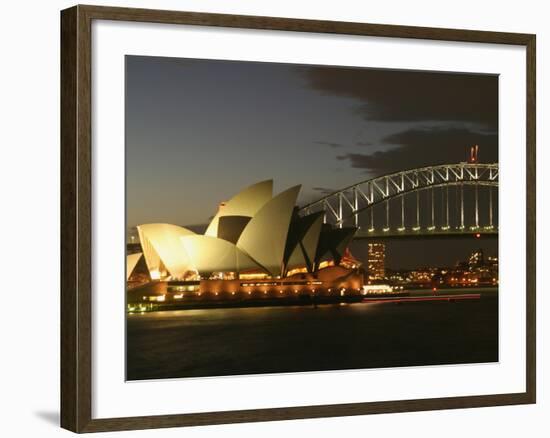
(292, 218)
(274, 219)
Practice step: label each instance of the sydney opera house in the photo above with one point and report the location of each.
(256, 245)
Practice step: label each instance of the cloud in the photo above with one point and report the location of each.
(423, 147)
(331, 144)
(323, 190)
(409, 96)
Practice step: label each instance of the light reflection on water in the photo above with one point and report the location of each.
(208, 342)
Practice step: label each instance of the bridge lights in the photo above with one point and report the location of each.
(431, 228)
(385, 230)
(401, 229)
(412, 181)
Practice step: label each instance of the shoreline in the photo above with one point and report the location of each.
(302, 300)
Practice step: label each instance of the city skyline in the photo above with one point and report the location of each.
(424, 252)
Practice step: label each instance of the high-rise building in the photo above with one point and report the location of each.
(376, 266)
(476, 259)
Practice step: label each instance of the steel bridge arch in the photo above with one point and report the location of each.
(348, 202)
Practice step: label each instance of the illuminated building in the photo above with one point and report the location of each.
(476, 271)
(131, 262)
(376, 266)
(254, 238)
(476, 259)
(378, 289)
(422, 275)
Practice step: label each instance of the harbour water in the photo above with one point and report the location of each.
(236, 341)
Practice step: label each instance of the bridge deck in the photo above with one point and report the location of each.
(425, 233)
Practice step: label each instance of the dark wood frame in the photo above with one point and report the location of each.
(76, 321)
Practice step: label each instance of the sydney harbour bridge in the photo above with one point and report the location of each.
(442, 200)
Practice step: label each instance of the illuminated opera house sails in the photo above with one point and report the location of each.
(253, 232)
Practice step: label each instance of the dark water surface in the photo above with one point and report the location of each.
(215, 342)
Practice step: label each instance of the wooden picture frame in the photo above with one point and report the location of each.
(76, 191)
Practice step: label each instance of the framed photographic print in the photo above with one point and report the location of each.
(268, 218)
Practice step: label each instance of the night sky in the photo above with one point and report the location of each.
(199, 131)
